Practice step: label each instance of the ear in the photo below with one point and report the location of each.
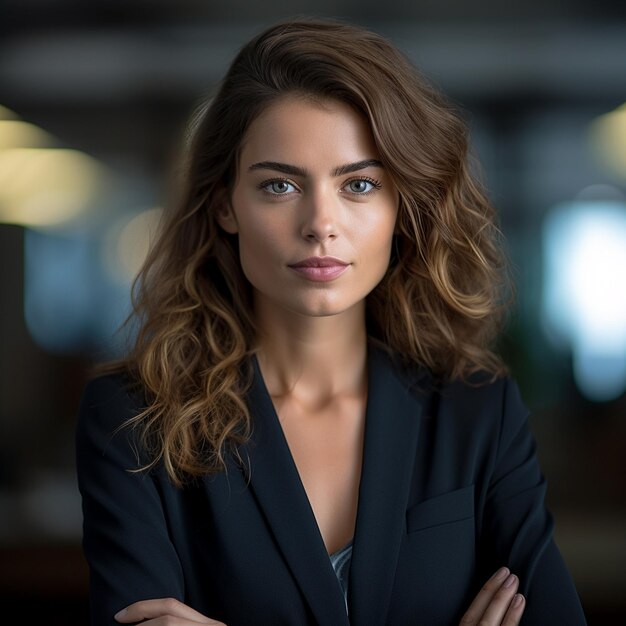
(226, 217)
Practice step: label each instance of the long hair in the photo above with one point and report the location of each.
(439, 305)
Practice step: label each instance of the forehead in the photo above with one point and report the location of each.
(303, 131)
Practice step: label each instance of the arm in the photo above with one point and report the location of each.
(125, 538)
(517, 527)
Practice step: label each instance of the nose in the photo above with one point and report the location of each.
(320, 218)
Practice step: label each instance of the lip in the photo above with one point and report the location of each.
(319, 261)
(320, 269)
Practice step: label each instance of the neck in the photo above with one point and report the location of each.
(314, 358)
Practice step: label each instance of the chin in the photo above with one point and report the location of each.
(324, 309)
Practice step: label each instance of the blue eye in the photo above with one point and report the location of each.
(362, 186)
(359, 186)
(278, 187)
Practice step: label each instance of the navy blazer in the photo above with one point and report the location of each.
(451, 490)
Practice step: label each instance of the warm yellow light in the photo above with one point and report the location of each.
(15, 134)
(7, 114)
(128, 242)
(45, 187)
(608, 138)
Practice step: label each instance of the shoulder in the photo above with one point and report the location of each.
(482, 387)
(111, 388)
(105, 435)
(478, 388)
(481, 400)
(109, 400)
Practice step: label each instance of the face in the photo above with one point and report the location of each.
(313, 208)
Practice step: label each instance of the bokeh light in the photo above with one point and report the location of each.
(42, 187)
(584, 292)
(608, 139)
(127, 242)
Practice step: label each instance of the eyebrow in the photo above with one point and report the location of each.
(294, 170)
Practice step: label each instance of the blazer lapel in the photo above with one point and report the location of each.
(275, 482)
(391, 432)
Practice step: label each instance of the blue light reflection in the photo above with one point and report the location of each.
(584, 292)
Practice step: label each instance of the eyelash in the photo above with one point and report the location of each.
(373, 182)
(375, 185)
(266, 183)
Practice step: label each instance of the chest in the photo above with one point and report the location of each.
(415, 554)
(327, 449)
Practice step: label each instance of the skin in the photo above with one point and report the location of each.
(312, 340)
(294, 199)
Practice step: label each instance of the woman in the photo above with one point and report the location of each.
(311, 427)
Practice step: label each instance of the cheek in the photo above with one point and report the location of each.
(377, 235)
(258, 248)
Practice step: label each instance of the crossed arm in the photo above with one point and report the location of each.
(497, 604)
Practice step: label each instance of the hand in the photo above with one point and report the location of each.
(161, 611)
(493, 606)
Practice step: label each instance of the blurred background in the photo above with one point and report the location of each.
(94, 99)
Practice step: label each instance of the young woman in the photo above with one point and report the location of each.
(311, 427)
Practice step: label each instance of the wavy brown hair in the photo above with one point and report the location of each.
(439, 305)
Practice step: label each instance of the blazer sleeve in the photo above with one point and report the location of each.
(518, 528)
(125, 538)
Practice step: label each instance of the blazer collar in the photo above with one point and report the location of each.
(391, 430)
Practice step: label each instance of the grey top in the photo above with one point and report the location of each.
(340, 561)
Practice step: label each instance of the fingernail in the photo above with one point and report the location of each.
(509, 581)
(517, 600)
(119, 614)
(500, 574)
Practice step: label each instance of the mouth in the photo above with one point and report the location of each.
(320, 261)
(320, 269)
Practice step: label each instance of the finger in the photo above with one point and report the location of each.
(478, 607)
(500, 601)
(149, 609)
(515, 610)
